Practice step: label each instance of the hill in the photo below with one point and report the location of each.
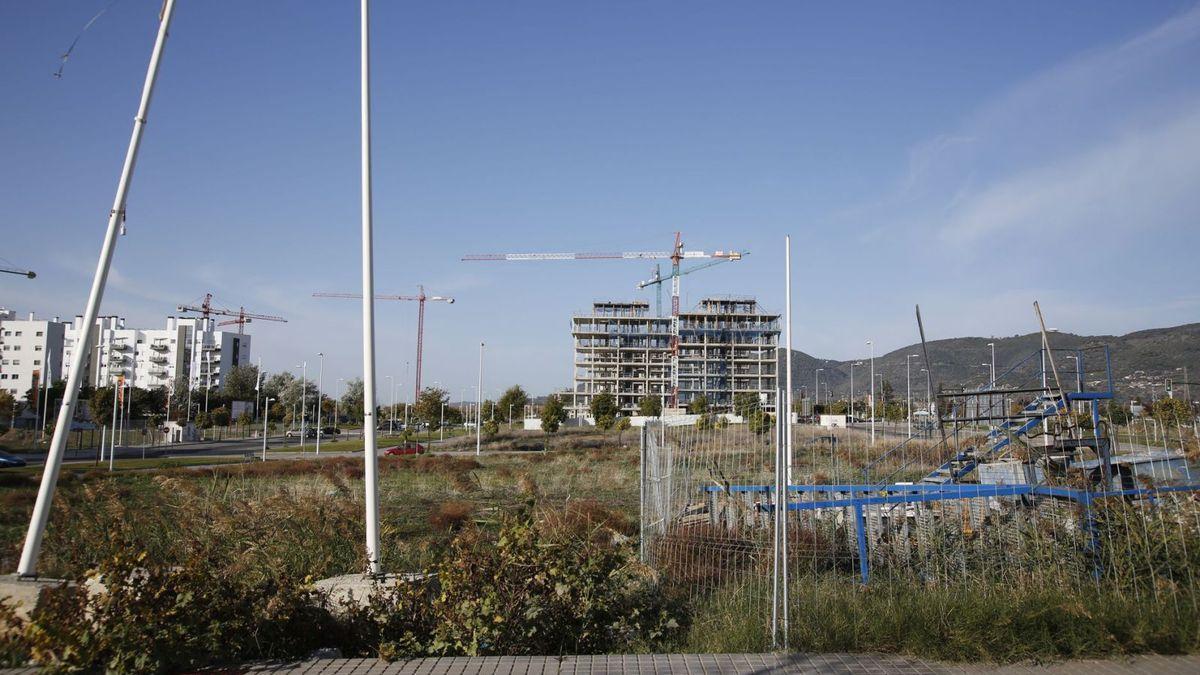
(1142, 362)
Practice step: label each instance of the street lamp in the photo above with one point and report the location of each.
(303, 399)
(392, 408)
(320, 383)
(908, 376)
(852, 364)
(336, 400)
(872, 346)
(266, 418)
(993, 346)
(817, 388)
(479, 404)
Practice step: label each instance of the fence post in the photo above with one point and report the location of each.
(860, 528)
(642, 492)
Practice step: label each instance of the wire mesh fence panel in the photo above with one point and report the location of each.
(1126, 545)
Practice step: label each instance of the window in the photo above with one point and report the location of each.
(3, 376)
(39, 334)
(16, 348)
(17, 334)
(37, 362)
(37, 348)
(16, 362)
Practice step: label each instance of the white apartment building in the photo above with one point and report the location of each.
(30, 352)
(188, 347)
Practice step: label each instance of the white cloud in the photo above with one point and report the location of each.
(1144, 179)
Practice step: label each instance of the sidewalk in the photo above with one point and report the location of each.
(694, 664)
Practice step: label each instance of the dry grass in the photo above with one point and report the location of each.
(451, 516)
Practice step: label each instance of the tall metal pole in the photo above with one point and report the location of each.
(303, 402)
(266, 414)
(817, 387)
(908, 403)
(872, 346)
(320, 382)
(116, 218)
(479, 405)
(782, 504)
(371, 481)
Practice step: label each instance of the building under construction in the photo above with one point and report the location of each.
(726, 347)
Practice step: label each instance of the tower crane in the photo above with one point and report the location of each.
(420, 299)
(240, 317)
(658, 279)
(676, 255)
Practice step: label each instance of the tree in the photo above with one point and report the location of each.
(429, 405)
(1172, 411)
(491, 428)
(1117, 413)
(704, 422)
(100, 406)
(650, 406)
(8, 406)
(554, 413)
(352, 400)
(219, 416)
(604, 410)
(239, 383)
(759, 422)
(512, 402)
(698, 405)
(744, 403)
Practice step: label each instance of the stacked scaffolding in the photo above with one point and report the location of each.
(727, 346)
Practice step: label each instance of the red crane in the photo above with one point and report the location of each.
(420, 299)
(676, 255)
(241, 316)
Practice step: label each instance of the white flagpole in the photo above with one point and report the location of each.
(371, 479)
(116, 217)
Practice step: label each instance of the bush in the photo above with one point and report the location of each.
(539, 590)
(154, 618)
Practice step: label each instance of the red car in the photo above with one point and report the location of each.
(406, 449)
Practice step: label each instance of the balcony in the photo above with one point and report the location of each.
(160, 345)
(158, 358)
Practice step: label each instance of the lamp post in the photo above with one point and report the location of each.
(303, 400)
(391, 408)
(872, 346)
(479, 404)
(852, 364)
(817, 388)
(336, 400)
(266, 419)
(320, 383)
(908, 401)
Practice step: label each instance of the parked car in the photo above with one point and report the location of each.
(295, 433)
(410, 448)
(330, 431)
(7, 460)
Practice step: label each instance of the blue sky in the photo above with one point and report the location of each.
(969, 157)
